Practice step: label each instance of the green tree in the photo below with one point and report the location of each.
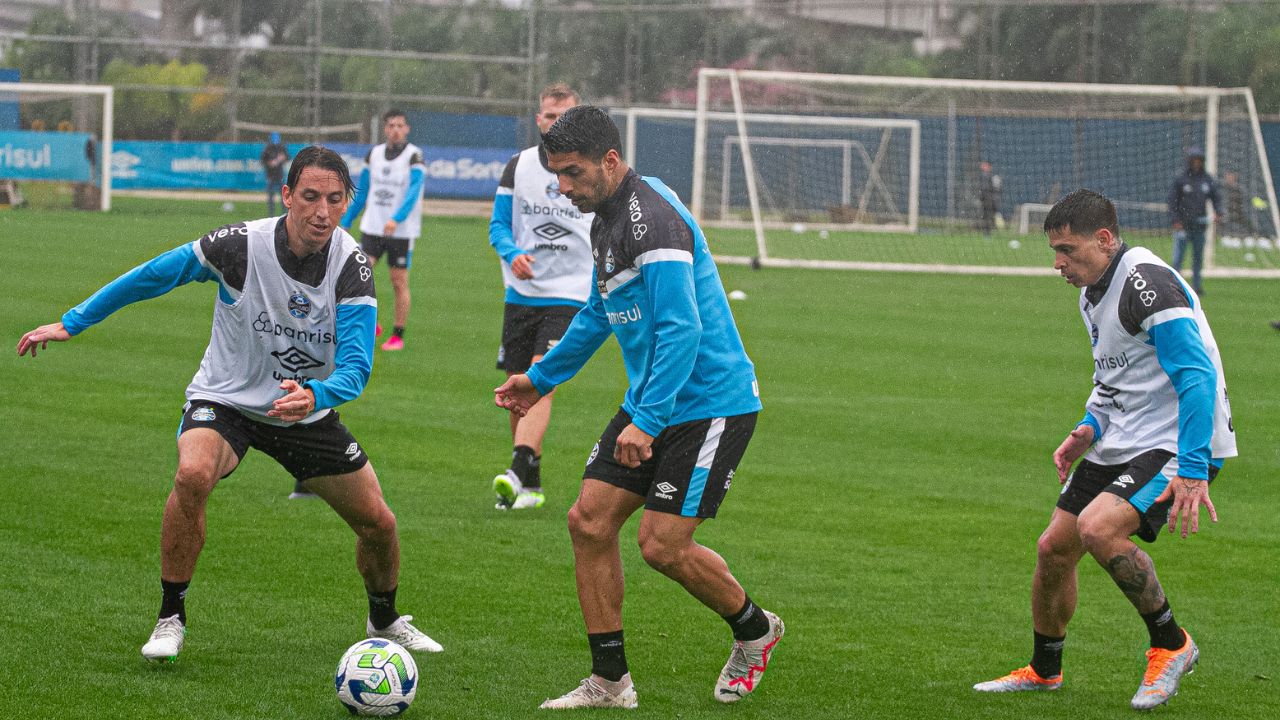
(164, 114)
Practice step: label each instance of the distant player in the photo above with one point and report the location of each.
(389, 193)
(1155, 432)
(685, 422)
(1189, 199)
(292, 339)
(545, 246)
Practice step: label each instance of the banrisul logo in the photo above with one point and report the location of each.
(299, 305)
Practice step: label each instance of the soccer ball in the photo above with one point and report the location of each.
(376, 677)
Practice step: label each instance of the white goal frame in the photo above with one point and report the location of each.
(107, 95)
(1210, 96)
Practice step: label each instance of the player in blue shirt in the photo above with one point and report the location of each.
(684, 424)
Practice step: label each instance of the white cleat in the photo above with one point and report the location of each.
(747, 662)
(507, 487)
(405, 635)
(596, 692)
(166, 640)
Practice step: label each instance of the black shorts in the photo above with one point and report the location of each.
(1140, 481)
(691, 468)
(399, 251)
(324, 447)
(529, 330)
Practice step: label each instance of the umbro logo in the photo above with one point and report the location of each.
(550, 231)
(666, 490)
(353, 451)
(1124, 481)
(295, 360)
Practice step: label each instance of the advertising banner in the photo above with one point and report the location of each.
(452, 172)
(26, 155)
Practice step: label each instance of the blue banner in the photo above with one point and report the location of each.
(452, 172)
(28, 155)
(189, 165)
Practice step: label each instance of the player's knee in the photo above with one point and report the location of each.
(194, 480)
(662, 553)
(1052, 549)
(585, 529)
(1097, 533)
(378, 527)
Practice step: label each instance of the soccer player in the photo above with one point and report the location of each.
(292, 339)
(1188, 210)
(545, 247)
(273, 159)
(389, 192)
(685, 421)
(1156, 429)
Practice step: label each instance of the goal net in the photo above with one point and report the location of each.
(860, 172)
(55, 146)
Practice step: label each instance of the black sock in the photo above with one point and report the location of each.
(749, 623)
(173, 599)
(1165, 632)
(527, 464)
(1046, 656)
(608, 657)
(382, 608)
(398, 331)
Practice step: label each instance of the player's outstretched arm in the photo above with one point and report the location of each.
(41, 337)
(1071, 449)
(1188, 495)
(517, 394)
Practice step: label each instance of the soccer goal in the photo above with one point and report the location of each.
(862, 172)
(55, 145)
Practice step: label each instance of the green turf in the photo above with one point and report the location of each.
(888, 507)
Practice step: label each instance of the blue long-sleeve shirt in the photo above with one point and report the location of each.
(658, 292)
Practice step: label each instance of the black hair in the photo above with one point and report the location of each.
(394, 112)
(1084, 212)
(323, 158)
(586, 130)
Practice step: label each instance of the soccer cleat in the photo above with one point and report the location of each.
(596, 692)
(300, 492)
(747, 662)
(528, 499)
(507, 487)
(395, 342)
(406, 635)
(377, 331)
(1020, 680)
(1165, 669)
(166, 640)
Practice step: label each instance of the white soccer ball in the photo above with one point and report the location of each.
(376, 677)
(737, 295)
(1014, 244)
(824, 234)
(1250, 257)
(798, 228)
(228, 206)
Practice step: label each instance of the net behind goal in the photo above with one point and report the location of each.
(943, 175)
(55, 146)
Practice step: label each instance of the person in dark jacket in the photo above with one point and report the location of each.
(1189, 213)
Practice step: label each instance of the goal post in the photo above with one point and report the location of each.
(983, 159)
(56, 140)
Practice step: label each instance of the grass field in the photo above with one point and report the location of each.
(888, 507)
